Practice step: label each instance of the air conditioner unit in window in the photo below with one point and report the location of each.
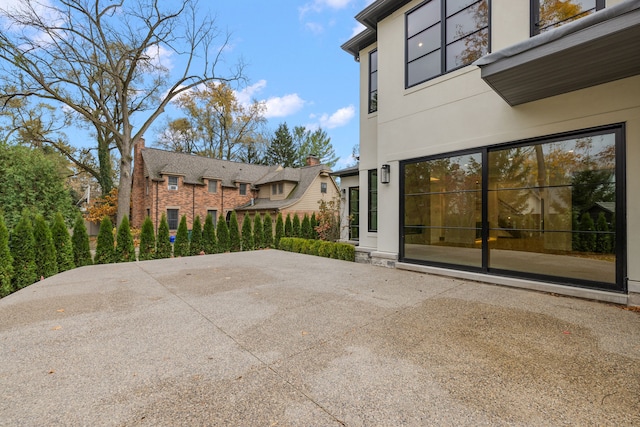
(173, 187)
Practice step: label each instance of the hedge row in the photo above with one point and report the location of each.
(335, 250)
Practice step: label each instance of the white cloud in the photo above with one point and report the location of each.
(357, 29)
(337, 119)
(314, 27)
(160, 56)
(283, 106)
(246, 95)
(319, 5)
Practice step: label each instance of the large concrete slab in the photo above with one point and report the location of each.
(273, 338)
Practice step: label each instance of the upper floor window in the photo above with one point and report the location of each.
(277, 188)
(373, 81)
(173, 182)
(445, 35)
(549, 14)
(243, 189)
(172, 218)
(323, 187)
(213, 186)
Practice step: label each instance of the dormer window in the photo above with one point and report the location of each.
(173, 183)
(277, 188)
(243, 189)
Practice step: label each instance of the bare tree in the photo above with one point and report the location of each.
(100, 60)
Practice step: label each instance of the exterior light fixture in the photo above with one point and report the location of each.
(385, 174)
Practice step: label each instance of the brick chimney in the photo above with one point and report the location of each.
(312, 160)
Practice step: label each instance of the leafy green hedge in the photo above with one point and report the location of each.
(335, 250)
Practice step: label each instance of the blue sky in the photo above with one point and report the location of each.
(295, 64)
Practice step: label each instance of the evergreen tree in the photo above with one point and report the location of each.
(125, 251)
(80, 243)
(267, 226)
(209, 236)
(279, 231)
(248, 240)
(45, 251)
(314, 224)
(288, 227)
(234, 233)
(316, 143)
(222, 234)
(587, 235)
(147, 248)
(6, 261)
(195, 245)
(603, 239)
(295, 226)
(23, 253)
(305, 228)
(163, 241)
(281, 150)
(105, 249)
(181, 244)
(258, 232)
(62, 243)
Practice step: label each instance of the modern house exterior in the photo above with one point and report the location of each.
(179, 184)
(500, 142)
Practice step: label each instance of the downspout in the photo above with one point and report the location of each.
(156, 207)
(193, 204)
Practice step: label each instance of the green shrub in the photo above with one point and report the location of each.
(181, 244)
(314, 247)
(587, 237)
(222, 233)
(286, 244)
(603, 239)
(105, 249)
(234, 233)
(125, 251)
(163, 240)
(296, 244)
(80, 243)
(62, 243)
(248, 242)
(325, 249)
(314, 224)
(305, 228)
(258, 232)
(45, 251)
(209, 236)
(288, 227)
(147, 241)
(195, 245)
(345, 251)
(267, 234)
(6, 261)
(295, 226)
(23, 253)
(279, 231)
(342, 251)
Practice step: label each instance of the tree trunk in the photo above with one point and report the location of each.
(124, 187)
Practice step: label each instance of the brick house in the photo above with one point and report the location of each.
(179, 184)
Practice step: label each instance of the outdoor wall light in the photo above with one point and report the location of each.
(385, 174)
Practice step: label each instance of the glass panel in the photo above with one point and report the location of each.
(454, 6)
(373, 61)
(374, 81)
(423, 43)
(467, 21)
(424, 68)
(468, 49)
(443, 245)
(552, 207)
(354, 215)
(554, 13)
(423, 17)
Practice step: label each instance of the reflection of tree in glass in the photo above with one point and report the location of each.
(512, 171)
(553, 13)
(476, 44)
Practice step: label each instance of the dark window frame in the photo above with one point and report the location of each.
(323, 187)
(443, 44)
(242, 189)
(372, 211)
(373, 92)
(354, 213)
(620, 285)
(534, 17)
(173, 222)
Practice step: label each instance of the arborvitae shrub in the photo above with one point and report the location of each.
(234, 232)
(305, 228)
(209, 236)
(587, 237)
(45, 251)
(181, 244)
(23, 253)
(6, 261)
(195, 245)
(247, 234)
(258, 232)
(80, 243)
(62, 243)
(267, 227)
(222, 234)
(105, 249)
(125, 251)
(288, 227)
(295, 226)
(147, 248)
(163, 240)
(279, 231)
(314, 224)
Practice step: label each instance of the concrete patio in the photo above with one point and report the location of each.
(269, 338)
